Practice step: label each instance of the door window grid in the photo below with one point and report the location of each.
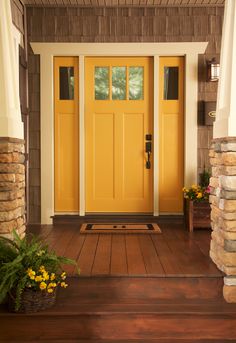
(119, 83)
(136, 83)
(101, 83)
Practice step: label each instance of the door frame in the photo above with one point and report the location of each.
(190, 50)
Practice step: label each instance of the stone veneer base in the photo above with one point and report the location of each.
(12, 186)
(223, 211)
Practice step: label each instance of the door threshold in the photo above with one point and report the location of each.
(77, 219)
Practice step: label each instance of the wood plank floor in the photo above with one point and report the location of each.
(133, 288)
(175, 252)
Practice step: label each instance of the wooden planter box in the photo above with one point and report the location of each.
(197, 214)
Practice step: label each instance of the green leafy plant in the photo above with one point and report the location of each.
(28, 263)
(204, 178)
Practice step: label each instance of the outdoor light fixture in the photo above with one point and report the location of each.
(213, 70)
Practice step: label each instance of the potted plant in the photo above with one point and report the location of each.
(30, 273)
(197, 209)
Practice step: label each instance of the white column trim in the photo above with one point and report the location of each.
(81, 138)
(17, 40)
(155, 142)
(10, 115)
(47, 138)
(190, 125)
(47, 50)
(225, 123)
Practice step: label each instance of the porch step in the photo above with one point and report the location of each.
(129, 310)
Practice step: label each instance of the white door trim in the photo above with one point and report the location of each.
(48, 50)
(81, 138)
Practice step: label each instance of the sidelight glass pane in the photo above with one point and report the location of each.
(135, 83)
(171, 83)
(66, 83)
(101, 81)
(118, 83)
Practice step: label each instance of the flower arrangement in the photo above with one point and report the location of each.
(28, 264)
(197, 192)
(43, 280)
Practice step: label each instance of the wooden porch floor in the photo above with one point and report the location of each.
(134, 288)
(175, 252)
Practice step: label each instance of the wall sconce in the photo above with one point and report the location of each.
(213, 70)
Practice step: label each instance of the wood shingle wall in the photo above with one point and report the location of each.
(170, 24)
(17, 10)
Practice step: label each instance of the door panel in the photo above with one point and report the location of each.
(171, 145)
(103, 163)
(118, 99)
(133, 146)
(66, 141)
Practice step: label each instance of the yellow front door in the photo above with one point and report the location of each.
(66, 142)
(118, 116)
(171, 142)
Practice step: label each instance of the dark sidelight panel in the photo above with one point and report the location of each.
(66, 83)
(171, 83)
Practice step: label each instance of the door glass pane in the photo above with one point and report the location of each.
(66, 83)
(101, 82)
(171, 83)
(118, 83)
(135, 83)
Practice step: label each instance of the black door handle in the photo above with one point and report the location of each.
(148, 149)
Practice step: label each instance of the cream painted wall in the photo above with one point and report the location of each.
(48, 50)
(10, 114)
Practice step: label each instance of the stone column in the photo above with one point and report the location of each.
(12, 187)
(12, 170)
(223, 214)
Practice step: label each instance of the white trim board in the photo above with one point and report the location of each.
(48, 50)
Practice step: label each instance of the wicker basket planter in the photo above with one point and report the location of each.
(197, 214)
(32, 301)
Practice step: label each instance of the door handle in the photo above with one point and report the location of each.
(148, 149)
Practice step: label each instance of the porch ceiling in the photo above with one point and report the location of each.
(120, 3)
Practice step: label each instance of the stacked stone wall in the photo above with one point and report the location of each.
(12, 187)
(223, 211)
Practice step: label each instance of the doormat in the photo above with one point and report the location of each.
(120, 228)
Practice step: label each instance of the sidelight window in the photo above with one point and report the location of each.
(171, 83)
(66, 75)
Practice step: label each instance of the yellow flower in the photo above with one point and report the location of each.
(38, 278)
(31, 273)
(40, 253)
(43, 285)
(199, 196)
(63, 276)
(42, 269)
(50, 290)
(63, 284)
(45, 275)
(194, 186)
(52, 277)
(52, 285)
